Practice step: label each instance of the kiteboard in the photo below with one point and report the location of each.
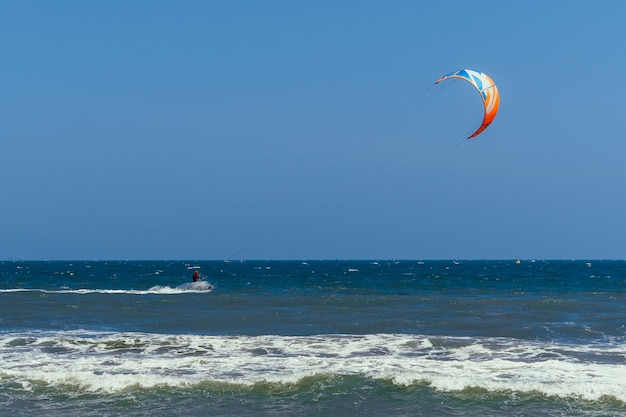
(196, 286)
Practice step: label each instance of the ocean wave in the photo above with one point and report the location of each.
(201, 286)
(112, 362)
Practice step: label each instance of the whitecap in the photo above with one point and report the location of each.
(84, 359)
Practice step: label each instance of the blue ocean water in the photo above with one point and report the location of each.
(388, 338)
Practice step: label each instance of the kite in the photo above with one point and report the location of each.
(487, 89)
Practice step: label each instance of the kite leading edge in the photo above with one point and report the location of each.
(487, 89)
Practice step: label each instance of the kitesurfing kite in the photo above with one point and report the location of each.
(487, 89)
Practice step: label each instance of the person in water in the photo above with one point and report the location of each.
(196, 276)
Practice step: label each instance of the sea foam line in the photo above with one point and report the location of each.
(111, 362)
(181, 289)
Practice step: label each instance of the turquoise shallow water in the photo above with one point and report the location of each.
(434, 338)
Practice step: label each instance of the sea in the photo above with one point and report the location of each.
(313, 338)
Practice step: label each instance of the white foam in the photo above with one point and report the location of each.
(200, 286)
(115, 361)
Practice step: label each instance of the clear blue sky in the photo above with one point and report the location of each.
(310, 130)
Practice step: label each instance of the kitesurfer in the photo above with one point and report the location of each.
(196, 276)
